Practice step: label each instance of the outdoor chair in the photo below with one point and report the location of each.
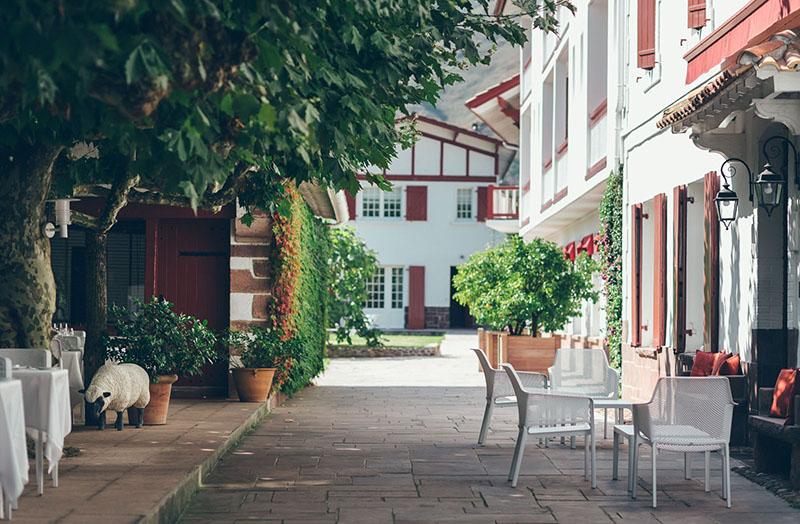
(35, 358)
(545, 414)
(686, 415)
(584, 372)
(499, 391)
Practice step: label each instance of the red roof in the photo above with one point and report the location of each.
(493, 92)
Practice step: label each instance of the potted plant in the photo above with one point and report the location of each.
(521, 290)
(261, 358)
(165, 343)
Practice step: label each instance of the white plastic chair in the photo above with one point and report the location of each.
(499, 391)
(35, 358)
(686, 415)
(552, 415)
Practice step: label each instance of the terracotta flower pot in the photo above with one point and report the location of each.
(155, 414)
(253, 384)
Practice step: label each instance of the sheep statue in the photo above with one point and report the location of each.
(117, 387)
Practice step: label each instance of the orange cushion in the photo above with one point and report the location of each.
(731, 366)
(784, 394)
(719, 359)
(703, 364)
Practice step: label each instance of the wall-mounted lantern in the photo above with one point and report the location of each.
(769, 187)
(63, 218)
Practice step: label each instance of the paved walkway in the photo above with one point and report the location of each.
(393, 440)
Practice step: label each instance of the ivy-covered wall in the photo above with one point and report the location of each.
(611, 263)
(298, 306)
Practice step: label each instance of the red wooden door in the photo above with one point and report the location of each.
(193, 272)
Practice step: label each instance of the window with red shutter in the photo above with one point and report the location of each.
(636, 275)
(417, 203)
(351, 205)
(679, 268)
(646, 34)
(659, 269)
(483, 201)
(697, 13)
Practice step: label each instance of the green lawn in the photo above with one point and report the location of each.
(396, 340)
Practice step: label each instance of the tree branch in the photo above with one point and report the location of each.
(117, 199)
(84, 220)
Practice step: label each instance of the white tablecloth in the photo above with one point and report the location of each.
(13, 451)
(71, 342)
(45, 395)
(72, 361)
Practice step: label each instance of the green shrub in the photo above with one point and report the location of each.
(518, 285)
(264, 348)
(611, 263)
(159, 340)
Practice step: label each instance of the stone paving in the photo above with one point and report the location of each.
(393, 440)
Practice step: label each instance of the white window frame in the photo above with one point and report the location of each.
(388, 298)
(473, 205)
(401, 190)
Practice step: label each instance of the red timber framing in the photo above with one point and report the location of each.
(710, 263)
(416, 297)
(697, 14)
(636, 275)
(659, 270)
(646, 34)
(679, 198)
(351, 205)
(752, 24)
(417, 203)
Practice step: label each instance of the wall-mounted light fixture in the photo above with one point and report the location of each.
(63, 218)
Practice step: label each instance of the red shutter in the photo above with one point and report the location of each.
(569, 251)
(646, 41)
(483, 202)
(416, 297)
(636, 275)
(711, 264)
(697, 13)
(659, 269)
(351, 205)
(679, 269)
(417, 203)
(587, 245)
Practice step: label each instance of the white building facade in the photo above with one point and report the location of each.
(431, 221)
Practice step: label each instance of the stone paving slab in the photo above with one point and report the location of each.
(139, 475)
(354, 450)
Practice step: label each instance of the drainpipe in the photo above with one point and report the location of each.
(622, 33)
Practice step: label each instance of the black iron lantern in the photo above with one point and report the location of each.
(727, 202)
(769, 189)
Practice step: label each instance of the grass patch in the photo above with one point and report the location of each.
(405, 341)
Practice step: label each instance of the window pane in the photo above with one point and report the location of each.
(464, 203)
(397, 287)
(371, 202)
(375, 289)
(391, 203)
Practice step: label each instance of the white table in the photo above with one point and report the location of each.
(71, 342)
(45, 395)
(612, 403)
(14, 456)
(72, 361)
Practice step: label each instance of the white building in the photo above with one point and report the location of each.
(566, 139)
(433, 220)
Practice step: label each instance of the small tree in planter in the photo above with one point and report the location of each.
(262, 360)
(518, 286)
(165, 343)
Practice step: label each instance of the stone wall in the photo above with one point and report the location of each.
(431, 350)
(437, 317)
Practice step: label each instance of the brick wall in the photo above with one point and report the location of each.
(437, 317)
(641, 369)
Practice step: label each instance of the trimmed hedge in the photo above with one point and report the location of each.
(298, 308)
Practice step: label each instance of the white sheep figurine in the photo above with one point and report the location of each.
(117, 387)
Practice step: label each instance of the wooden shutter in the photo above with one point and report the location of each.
(483, 202)
(351, 205)
(697, 13)
(636, 275)
(646, 34)
(710, 263)
(679, 269)
(417, 203)
(416, 297)
(659, 269)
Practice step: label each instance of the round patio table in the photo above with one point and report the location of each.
(14, 456)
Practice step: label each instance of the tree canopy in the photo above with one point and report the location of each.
(518, 285)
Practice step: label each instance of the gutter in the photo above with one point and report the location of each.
(324, 201)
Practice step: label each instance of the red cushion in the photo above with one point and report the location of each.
(784, 393)
(731, 366)
(703, 364)
(719, 360)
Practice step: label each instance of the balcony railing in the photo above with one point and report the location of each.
(598, 139)
(503, 203)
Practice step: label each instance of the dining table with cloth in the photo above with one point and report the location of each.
(14, 455)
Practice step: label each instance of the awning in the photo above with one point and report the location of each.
(752, 23)
(739, 82)
(498, 107)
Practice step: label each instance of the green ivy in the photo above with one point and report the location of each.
(611, 263)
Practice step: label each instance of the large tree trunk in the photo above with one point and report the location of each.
(27, 287)
(96, 308)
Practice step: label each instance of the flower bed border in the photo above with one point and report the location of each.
(345, 351)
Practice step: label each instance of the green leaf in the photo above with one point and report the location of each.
(106, 36)
(267, 115)
(226, 104)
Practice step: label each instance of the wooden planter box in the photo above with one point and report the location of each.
(524, 352)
